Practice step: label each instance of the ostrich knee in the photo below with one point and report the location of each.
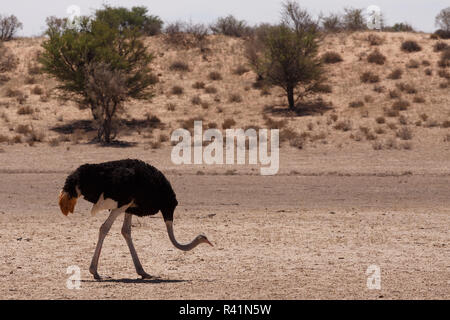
(104, 229)
(126, 232)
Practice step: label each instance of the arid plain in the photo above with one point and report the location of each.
(347, 197)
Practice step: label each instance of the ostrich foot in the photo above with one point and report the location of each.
(145, 275)
(97, 276)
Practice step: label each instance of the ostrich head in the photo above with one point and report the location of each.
(168, 218)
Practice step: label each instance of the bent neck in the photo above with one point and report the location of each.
(183, 247)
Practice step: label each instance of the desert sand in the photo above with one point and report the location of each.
(305, 233)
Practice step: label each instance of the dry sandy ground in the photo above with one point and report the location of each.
(309, 232)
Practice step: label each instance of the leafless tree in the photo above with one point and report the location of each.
(9, 27)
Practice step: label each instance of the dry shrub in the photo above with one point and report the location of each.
(8, 62)
(426, 63)
(406, 87)
(54, 142)
(198, 85)
(447, 137)
(419, 99)
(444, 62)
(412, 64)
(11, 93)
(424, 116)
(163, 138)
(155, 144)
(4, 79)
(428, 72)
(391, 143)
(377, 145)
(171, 106)
(440, 46)
(215, 76)
(211, 90)
(443, 85)
(395, 74)
(444, 74)
(179, 66)
(196, 100)
(344, 125)
(331, 57)
(25, 110)
(406, 145)
(35, 136)
(368, 99)
(376, 57)
(404, 133)
(235, 98)
(228, 123)
(445, 124)
(380, 120)
(392, 113)
(274, 124)
(3, 138)
(37, 90)
(379, 130)
(374, 40)
(410, 46)
(394, 94)
(403, 120)
(400, 105)
(23, 129)
(30, 80)
(378, 89)
(369, 77)
(240, 70)
(356, 104)
(177, 90)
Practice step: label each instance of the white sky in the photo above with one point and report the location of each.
(419, 13)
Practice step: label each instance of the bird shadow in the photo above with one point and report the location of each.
(127, 280)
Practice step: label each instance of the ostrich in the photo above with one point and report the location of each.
(130, 186)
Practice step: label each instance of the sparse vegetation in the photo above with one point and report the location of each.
(410, 46)
(369, 77)
(356, 104)
(107, 46)
(215, 76)
(177, 90)
(376, 57)
(396, 74)
(9, 26)
(331, 57)
(179, 66)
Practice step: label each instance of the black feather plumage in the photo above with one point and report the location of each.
(125, 181)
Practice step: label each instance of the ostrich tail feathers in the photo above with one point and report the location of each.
(66, 203)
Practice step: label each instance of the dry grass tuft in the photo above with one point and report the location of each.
(369, 77)
(331, 57)
(410, 46)
(376, 57)
(396, 74)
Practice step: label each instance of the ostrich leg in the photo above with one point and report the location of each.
(104, 229)
(126, 232)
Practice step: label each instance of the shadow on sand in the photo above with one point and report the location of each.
(124, 280)
(301, 109)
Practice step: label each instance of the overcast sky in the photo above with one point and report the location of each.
(419, 13)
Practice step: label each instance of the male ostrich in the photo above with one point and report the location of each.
(129, 186)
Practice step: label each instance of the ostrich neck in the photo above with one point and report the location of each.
(184, 247)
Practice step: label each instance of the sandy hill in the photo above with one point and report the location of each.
(29, 101)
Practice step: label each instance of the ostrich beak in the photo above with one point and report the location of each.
(207, 241)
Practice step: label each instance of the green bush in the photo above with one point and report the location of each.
(106, 44)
